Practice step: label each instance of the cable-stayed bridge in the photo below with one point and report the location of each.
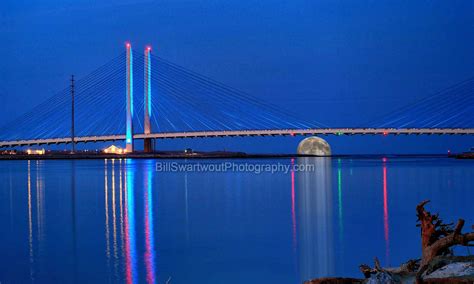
(143, 96)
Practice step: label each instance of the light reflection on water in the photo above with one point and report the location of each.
(385, 214)
(315, 210)
(120, 221)
(149, 239)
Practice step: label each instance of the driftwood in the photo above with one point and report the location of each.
(335, 280)
(367, 270)
(437, 238)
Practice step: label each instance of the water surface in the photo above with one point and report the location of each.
(99, 221)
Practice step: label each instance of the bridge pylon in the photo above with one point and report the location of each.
(147, 142)
(129, 121)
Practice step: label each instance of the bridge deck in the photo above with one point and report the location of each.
(243, 133)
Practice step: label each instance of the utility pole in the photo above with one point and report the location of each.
(72, 116)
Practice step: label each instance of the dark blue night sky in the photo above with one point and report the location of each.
(338, 62)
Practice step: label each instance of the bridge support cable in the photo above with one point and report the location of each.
(190, 102)
(450, 108)
(51, 119)
(215, 94)
(230, 91)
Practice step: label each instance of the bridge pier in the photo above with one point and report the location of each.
(147, 142)
(129, 121)
(148, 145)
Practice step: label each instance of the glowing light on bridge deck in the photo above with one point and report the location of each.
(35, 152)
(114, 150)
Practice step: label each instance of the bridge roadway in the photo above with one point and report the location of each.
(245, 133)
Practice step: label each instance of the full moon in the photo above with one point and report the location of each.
(314, 146)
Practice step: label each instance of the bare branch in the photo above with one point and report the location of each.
(458, 228)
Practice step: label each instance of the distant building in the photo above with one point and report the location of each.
(114, 150)
(35, 152)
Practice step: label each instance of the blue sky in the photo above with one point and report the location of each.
(337, 62)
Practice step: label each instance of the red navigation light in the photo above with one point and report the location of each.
(127, 44)
(148, 48)
(384, 159)
(292, 134)
(385, 133)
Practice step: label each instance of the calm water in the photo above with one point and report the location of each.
(122, 221)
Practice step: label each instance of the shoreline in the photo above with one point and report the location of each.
(465, 156)
(209, 155)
